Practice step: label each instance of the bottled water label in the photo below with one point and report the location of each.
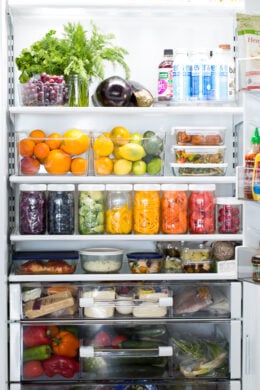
(181, 82)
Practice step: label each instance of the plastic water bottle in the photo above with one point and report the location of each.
(219, 69)
(181, 75)
(200, 75)
(165, 91)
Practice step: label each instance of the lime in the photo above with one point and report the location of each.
(154, 166)
(122, 167)
(139, 167)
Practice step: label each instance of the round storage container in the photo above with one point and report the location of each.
(91, 208)
(145, 262)
(146, 208)
(61, 208)
(101, 260)
(202, 208)
(119, 212)
(174, 208)
(32, 209)
(229, 215)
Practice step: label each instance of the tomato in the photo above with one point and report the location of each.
(102, 339)
(117, 340)
(32, 369)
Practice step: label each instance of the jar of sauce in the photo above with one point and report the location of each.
(256, 268)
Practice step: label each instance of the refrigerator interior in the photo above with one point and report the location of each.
(157, 28)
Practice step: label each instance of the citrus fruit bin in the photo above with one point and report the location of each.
(54, 153)
(121, 152)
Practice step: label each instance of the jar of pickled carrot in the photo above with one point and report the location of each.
(119, 211)
(174, 208)
(146, 208)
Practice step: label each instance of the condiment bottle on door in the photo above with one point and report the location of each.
(249, 164)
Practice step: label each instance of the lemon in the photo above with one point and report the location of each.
(103, 146)
(122, 167)
(132, 152)
(136, 138)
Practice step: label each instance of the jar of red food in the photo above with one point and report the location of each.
(174, 208)
(229, 215)
(202, 208)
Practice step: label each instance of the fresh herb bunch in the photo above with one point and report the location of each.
(79, 52)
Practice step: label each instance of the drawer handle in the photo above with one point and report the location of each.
(90, 351)
(90, 302)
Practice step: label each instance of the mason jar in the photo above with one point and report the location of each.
(119, 211)
(91, 208)
(146, 208)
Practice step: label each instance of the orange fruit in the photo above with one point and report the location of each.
(103, 165)
(37, 135)
(41, 151)
(29, 165)
(120, 135)
(79, 166)
(103, 146)
(75, 142)
(54, 141)
(26, 147)
(57, 162)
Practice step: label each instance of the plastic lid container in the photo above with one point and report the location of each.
(61, 187)
(119, 187)
(202, 187)
(174, 187)
(91, 187)
(147, 187)
(33, 187)
(101, 260)
(145, 262)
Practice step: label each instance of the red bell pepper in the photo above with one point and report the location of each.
(36, 335)
(60, 365)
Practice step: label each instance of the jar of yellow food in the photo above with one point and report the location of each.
(146, 208)
(119, 212)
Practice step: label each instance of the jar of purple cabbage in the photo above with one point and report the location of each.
(32, 209)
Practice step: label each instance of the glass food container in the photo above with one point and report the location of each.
(61, 208)
(119, 211)
(101, 260)
(91, 208)
(174, 208)
(229, 215)
(256, 268)
(145, 262)
(146, 208)
(202, 208)
(32, 209)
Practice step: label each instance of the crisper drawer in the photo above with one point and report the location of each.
(92, 351)
(126, 300)
(183, 385)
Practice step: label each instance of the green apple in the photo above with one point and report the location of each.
(139, 167)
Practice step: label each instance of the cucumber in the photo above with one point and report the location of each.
(144, 331)
(140, 344)
(160, 361)
(136, 371)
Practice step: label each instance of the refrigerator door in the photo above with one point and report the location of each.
(251, 337)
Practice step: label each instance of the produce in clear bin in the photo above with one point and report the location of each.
(54, 154)
(50, 350)
(200, 356)
(121, 152)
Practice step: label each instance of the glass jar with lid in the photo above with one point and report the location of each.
(32, 209)
(61, 208)
(229, 215)
(174, 208)
(146, 208)
(256, 267)
(202, 208)
(119, 211)
(91, 208)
